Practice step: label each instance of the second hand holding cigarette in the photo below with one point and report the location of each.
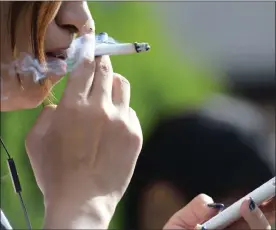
(232, 213)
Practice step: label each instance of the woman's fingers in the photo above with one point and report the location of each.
(81, 78)
(253, 215)
(103, 79)
(196, 212)
(121, 92)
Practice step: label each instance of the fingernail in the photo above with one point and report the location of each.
(200, 227)
(252, 204)
(218, 206)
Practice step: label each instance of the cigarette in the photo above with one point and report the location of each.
(232, 213)
(105, 45)
(199, 227)
(120, 49)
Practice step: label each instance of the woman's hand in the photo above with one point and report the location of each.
(84, 150)
(197, 212)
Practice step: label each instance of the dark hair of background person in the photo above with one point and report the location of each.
(258, 86)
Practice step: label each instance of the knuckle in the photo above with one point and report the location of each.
(87, 62)
(121, 80)
(121, 124)
(104, 64)
(102, 113)
(136, 139)
(104, 67)
(125, 81)
(133, 136)
(135, 132)
(76, 104)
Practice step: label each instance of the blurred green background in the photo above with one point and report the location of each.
(163, 82)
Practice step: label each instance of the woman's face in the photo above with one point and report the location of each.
(21, 92)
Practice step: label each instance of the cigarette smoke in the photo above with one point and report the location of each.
(28, 66)
(86, 45)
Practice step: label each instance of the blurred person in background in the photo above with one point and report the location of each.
(228, 145)
(224, 149)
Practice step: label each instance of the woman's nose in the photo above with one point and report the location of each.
(76, 17)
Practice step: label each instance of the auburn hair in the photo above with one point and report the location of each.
(42, 13)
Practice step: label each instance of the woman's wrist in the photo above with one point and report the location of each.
(73, 213)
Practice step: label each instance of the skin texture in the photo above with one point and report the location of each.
(83, 181)
(78, 147)
(164, 200)
(197, 212)
(29, 94)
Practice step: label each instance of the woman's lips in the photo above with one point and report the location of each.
(61, 55)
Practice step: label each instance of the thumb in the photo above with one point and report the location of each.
(196, 212)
